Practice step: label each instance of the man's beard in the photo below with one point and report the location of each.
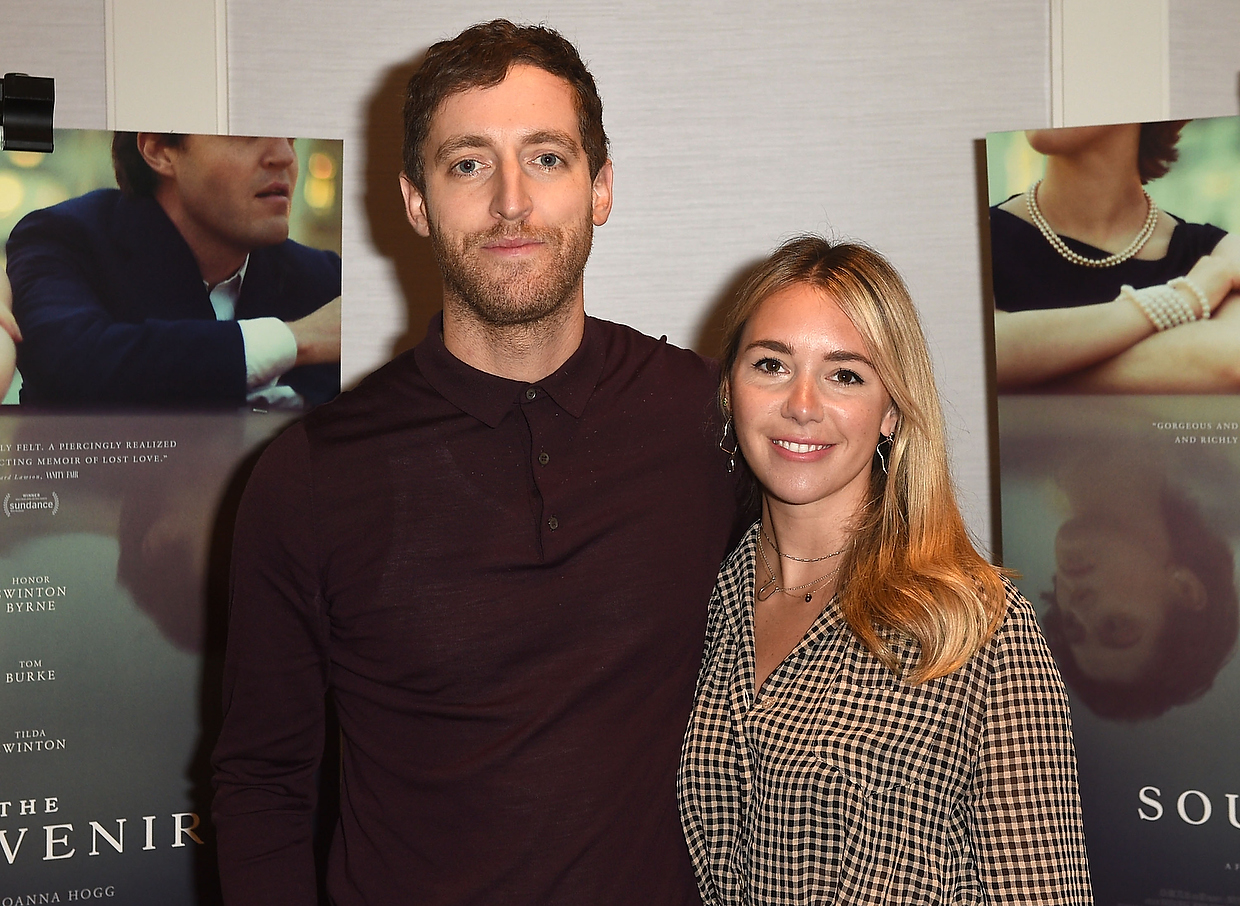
(520, 292)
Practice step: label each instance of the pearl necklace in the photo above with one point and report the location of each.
(1138, 243)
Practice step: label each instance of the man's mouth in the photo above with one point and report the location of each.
(516, 242)
(275, 190)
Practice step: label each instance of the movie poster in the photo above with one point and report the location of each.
(1119, 428)
(137, 396)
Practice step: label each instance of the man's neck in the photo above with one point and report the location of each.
(520, 352)
(217, 261)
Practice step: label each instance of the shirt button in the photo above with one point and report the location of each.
(553, 523)
(543, 459)
(531, 393)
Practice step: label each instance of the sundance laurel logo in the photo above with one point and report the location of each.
(31, 502)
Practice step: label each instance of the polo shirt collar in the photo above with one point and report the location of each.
(489, 398)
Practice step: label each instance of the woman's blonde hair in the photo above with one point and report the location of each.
(912, 570)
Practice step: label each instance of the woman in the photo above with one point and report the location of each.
(877, 718)
(1063, 252)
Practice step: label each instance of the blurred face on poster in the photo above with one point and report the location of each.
(1116, 589)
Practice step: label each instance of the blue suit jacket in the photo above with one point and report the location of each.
(113, 309)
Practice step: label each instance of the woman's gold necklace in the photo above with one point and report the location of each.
(763, 593)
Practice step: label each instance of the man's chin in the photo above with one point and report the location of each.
(270, 233)
(496, 310)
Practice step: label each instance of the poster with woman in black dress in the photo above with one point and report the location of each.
(1116, 270)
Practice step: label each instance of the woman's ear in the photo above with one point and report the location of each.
(1189, 592)
(890, 420)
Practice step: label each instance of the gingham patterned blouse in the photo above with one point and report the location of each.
(840, 784)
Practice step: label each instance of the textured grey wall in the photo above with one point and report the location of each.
(1204, 41)
(63, 39)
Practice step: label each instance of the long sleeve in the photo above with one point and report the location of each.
(275, 680)
(1025, 809)
(104, 326)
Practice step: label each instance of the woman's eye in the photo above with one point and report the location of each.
(768, 366)
(846, 377)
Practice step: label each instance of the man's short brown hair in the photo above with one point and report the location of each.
(480, 57)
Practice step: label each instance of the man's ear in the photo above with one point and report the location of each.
(600, 204)
(158, 154)
(415, 206)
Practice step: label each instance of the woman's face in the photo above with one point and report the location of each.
(1116, 590)
(807, 404)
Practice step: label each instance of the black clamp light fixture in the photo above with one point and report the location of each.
(26, 104)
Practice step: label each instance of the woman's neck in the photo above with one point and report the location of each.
(1093, 197)
(804, 538)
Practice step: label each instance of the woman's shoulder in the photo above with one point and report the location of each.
(1193, 239)
(736, 573)
(1018, 647)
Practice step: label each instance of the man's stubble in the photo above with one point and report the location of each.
(520, 294)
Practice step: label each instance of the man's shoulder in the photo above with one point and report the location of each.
(95, 211)
(386, 399)
(628, 348)
(302, 258)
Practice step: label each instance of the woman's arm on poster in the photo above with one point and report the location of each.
(1077, 347)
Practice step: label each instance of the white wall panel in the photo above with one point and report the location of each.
(63, 39)
(1205, 57)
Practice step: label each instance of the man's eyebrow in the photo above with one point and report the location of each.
(552, 137)
(458, 143)
(563, 140)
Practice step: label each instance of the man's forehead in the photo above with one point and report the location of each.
(530, 103)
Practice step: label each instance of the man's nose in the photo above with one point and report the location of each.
(279, 153)
(512, 200)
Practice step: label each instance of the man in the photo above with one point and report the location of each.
(180, 288)
(494, 555)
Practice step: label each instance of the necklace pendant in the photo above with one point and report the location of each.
(809, 597)
(767, 590)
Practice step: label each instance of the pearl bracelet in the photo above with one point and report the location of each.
(1163, 306)
(1191, 285)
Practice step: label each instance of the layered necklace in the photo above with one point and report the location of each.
(1057, 243)
(770, 587)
